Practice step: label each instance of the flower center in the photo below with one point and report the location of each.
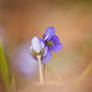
(49, 43)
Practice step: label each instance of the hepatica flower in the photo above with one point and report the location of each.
(45, 45)
(41, 48)
(51, 40)
(37, 47)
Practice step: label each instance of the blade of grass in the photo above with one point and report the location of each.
(12, 85)
(4, 68)
(84, 73)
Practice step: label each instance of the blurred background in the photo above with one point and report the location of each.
(21, 20)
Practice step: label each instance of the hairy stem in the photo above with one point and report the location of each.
(40, 69)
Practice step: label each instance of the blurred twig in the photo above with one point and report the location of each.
(84, 74)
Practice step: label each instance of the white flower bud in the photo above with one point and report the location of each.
(37, 45)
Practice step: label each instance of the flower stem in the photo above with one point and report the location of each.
(40, 69)
(44, 67)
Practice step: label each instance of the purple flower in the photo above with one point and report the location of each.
(52, 43)
(51, 40)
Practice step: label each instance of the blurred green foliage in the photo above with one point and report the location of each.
(4, 68)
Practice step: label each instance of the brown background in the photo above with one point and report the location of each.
(21, 20)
